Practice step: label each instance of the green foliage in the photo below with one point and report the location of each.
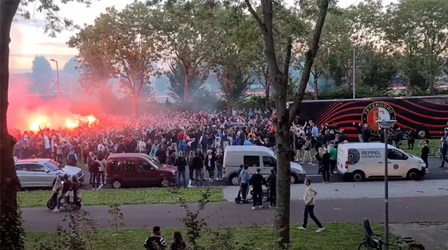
(177, 78)
(184, 34)
(42, 74)
(120, 45)
(54, 23)
(418, 31)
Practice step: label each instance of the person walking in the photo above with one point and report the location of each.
(310, 200)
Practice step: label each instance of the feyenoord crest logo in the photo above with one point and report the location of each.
(377, 111)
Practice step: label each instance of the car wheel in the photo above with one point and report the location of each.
(413, 174)
(165, 183)
(358, 176)
(422, 133)
(116, 184)
(294, 179)
(234, 180)
(51, 204)
(407, 134)
(76, 206)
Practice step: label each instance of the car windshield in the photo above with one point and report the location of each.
(155, 162)
(52, 165)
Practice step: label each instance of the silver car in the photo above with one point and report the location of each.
(43, 172)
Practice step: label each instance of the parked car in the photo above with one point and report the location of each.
(138, 170)
(43, 172)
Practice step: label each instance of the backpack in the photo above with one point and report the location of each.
(71, 160)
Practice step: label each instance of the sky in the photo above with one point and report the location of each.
(28, 38)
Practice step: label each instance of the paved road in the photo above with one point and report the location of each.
(435, 173)
(412, 209)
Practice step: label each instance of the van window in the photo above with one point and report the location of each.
(129, 165)
(269, 161)
(114, 166)
(252, 161)
(144, 166)
(396, 155)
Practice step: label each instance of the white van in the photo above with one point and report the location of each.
(359, 161)
(255, 157)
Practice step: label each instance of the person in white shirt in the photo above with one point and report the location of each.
(309, 199)
(47, 145)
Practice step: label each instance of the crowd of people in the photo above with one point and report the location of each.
(188, 139)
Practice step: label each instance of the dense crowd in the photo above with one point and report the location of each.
(168, 135)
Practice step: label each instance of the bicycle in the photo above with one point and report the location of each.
(372, 240)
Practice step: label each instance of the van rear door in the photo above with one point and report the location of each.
(342, 159)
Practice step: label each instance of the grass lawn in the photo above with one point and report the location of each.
(434, 144)
(124, 196)
(337, 236)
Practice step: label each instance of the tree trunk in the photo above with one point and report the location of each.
(316, 87)
(186, 72)
(284, 116)
(267, 95)
(135, 105)
(11, 234)
(282, 143)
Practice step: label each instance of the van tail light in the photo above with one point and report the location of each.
(224, 171)
(107, 168)
(346, 165)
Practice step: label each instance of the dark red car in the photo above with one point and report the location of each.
(138, 170)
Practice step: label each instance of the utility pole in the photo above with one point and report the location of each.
(57, 75)
(354, 74)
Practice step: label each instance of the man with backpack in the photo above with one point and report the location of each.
(72, 158)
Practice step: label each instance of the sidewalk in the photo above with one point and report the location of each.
(373, 189)
(411, 209)
(432, 235)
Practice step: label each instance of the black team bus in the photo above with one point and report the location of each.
(425, 116)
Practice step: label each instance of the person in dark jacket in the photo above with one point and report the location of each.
(326, 166)
(181, 163)
(257, 181)
(155, 241)
(161, 155)
(66, 186)
(198, 171)
(178, 243)
(272, 182)
(425, 153)
(366, 133)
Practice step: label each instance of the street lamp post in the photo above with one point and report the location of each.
(386, 125)
(354, 74)
(57, 75)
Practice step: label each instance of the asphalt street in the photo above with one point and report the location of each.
(411, 209)
(435, 173)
